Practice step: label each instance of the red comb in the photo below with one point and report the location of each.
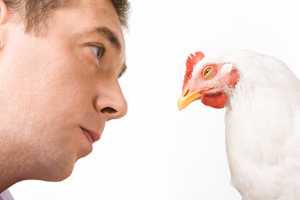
(191, 61)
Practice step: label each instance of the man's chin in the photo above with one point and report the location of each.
(55, 172)
(57, 176)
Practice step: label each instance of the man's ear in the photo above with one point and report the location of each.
(3, 12)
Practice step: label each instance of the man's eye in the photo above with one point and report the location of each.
(98, 51)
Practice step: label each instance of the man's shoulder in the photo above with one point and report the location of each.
(6, 195)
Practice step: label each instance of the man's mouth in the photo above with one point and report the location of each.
(91, 135)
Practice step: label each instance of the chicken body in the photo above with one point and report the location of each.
(263, 127)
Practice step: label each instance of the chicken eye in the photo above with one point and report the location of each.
(208, 73)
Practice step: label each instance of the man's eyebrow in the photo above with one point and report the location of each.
(110, 36)
(124, 68)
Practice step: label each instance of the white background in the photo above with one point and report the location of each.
(157, 152)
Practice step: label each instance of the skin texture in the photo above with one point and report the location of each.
(53, 84)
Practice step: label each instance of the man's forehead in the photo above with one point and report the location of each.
(87, 18)
(99, 6)
(101, 18)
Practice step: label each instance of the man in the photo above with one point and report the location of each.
(60, 61)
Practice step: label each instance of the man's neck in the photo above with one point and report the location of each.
(6, 176)
(11, 167)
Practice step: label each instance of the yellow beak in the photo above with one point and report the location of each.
(187, 98)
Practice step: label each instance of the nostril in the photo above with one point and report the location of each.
(109, 110)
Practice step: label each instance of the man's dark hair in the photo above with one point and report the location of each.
(122, 7)
(36, 12)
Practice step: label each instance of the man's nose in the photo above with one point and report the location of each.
(111, 103)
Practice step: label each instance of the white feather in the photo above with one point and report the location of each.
(262, 128)
(226, 68)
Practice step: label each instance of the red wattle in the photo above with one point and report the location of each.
(215, 100)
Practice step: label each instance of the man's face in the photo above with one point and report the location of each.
(54, 85)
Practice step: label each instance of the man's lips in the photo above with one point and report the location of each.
(94, 136)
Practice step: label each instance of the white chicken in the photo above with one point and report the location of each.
(262, 100)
